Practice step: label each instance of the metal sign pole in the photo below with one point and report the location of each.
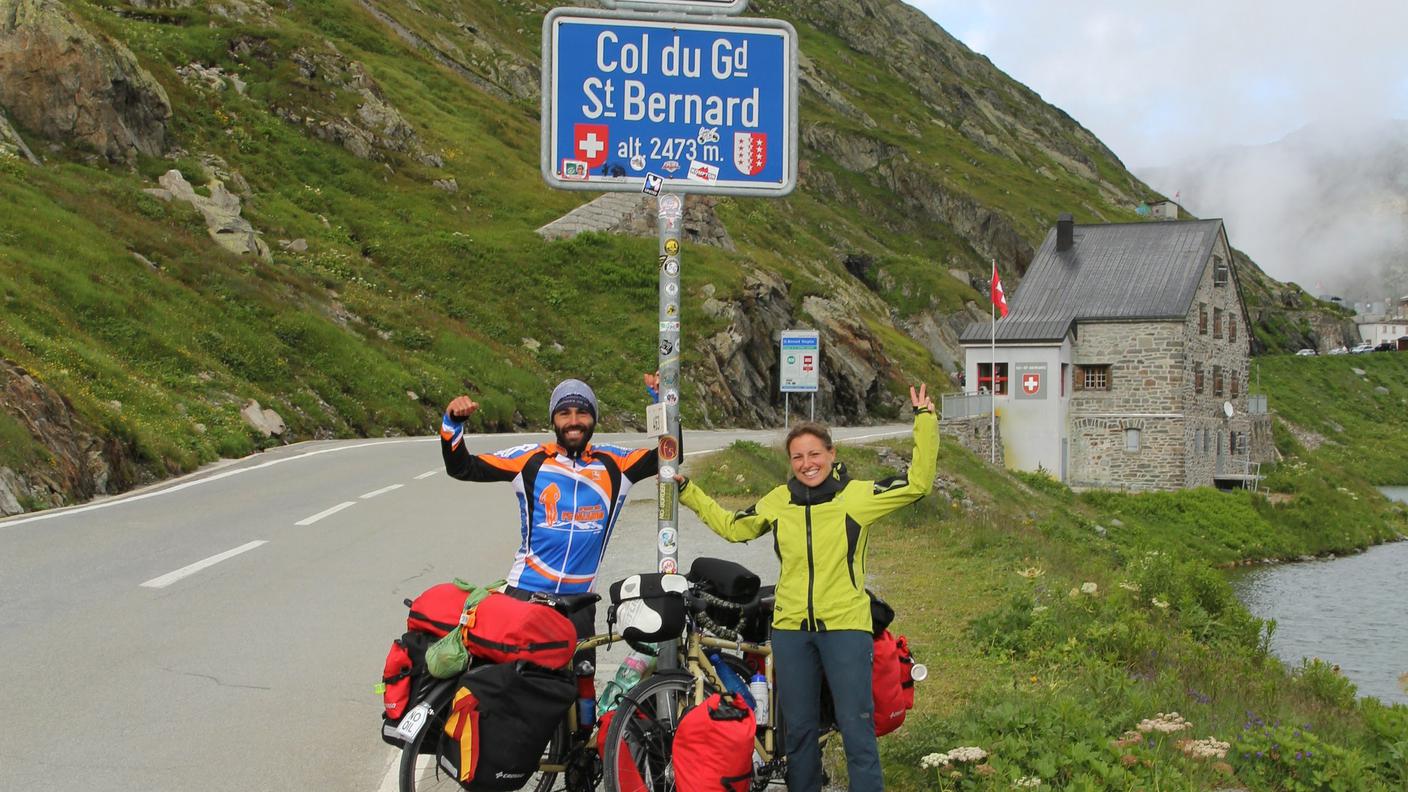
(669, 217)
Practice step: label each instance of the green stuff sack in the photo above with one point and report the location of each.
(447, 658)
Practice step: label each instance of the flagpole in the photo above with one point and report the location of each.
(992, 375)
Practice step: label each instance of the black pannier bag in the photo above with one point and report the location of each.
(727, 580)
(756, 624)
(501, 720)
(648, 607)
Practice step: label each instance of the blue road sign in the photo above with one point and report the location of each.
(710, 106)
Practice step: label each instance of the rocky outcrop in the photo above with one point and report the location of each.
(11, 142)
(221, 212)
(634, 214)
(738, 367)
(71, 86)
(78, 462)
(376, 129)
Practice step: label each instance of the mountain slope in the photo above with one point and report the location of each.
(386, 155)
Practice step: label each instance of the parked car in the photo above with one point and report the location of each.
(1305, 353)
(1387, 346)
(1362, 348)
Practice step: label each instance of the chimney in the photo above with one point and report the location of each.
(1065, 232)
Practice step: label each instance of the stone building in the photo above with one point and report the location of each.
(1123, 361)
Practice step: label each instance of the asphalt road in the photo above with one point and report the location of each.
(224, 631)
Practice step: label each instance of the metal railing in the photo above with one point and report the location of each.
(966, 405)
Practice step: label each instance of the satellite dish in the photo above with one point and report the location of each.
(1227, 409)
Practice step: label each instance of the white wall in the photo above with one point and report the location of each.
(1032, 429)
(1378, 332)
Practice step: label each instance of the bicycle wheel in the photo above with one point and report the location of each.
(642, 734)
(420, 770)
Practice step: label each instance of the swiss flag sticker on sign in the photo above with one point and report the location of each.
(1031, 383)
(591, 142)
(750, 152)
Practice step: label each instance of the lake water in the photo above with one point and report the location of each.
(1352, 611)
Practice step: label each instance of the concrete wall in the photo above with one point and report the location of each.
(1032, 426)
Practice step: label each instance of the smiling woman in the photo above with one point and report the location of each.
(820, 521)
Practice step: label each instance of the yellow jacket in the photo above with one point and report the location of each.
(820, 534)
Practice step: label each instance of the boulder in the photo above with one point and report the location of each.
(265, 422)
(221, 212)
(73, 86)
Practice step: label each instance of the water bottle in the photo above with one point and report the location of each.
(733, 683)
(633, 669)
(586, 694)
(759, 688)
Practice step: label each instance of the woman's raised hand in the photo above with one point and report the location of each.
(920, 399)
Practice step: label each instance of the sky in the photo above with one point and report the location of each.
(1175, 88)
(1161, 82)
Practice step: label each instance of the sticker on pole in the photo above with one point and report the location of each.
(697, 104)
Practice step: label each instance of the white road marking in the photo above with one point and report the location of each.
(325, 513)
(187, 571)
(390, 782)
(381, 491)
(870, 436)
(427, 474)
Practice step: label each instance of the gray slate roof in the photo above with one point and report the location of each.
(1115, 272)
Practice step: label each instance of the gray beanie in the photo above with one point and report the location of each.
(572, 393)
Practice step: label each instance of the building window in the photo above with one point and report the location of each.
(1064, 366)
(1207, 442)
(1217, 323)
(1217, 380)
(985, 379)
(1234, 381)
(1221, 273)
(1131, 439)
(1202, 319)
(1197, 377)
(1092, 378)
(1231, 328)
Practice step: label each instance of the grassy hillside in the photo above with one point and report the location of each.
(1054, 624)
(917, 157)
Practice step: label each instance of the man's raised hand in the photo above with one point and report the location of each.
(461, 407)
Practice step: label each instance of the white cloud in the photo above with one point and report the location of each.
(1159, 81)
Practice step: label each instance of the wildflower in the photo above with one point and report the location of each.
(1158, 603)
(965, 754)
(1026, 782)
(984, 770)
(933, 760)
(1128, 586)
(1164, 723)
(1089, 587)
(1031, 573)
(1129, 760)
(1209, 748)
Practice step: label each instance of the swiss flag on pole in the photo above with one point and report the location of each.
(999, 297)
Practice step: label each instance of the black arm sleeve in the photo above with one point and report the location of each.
(465, 466)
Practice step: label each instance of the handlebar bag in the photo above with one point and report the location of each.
(502, 629)
(500, 721)
(727, 579)
(713, 746)
(648, 607)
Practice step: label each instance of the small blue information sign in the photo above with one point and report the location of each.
(630, 101)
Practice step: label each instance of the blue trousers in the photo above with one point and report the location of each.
(801, 658)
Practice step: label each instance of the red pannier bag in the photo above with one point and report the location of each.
(713, 746)
(628, 776)
(437, 610)
(502, 629)
(890, 682)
